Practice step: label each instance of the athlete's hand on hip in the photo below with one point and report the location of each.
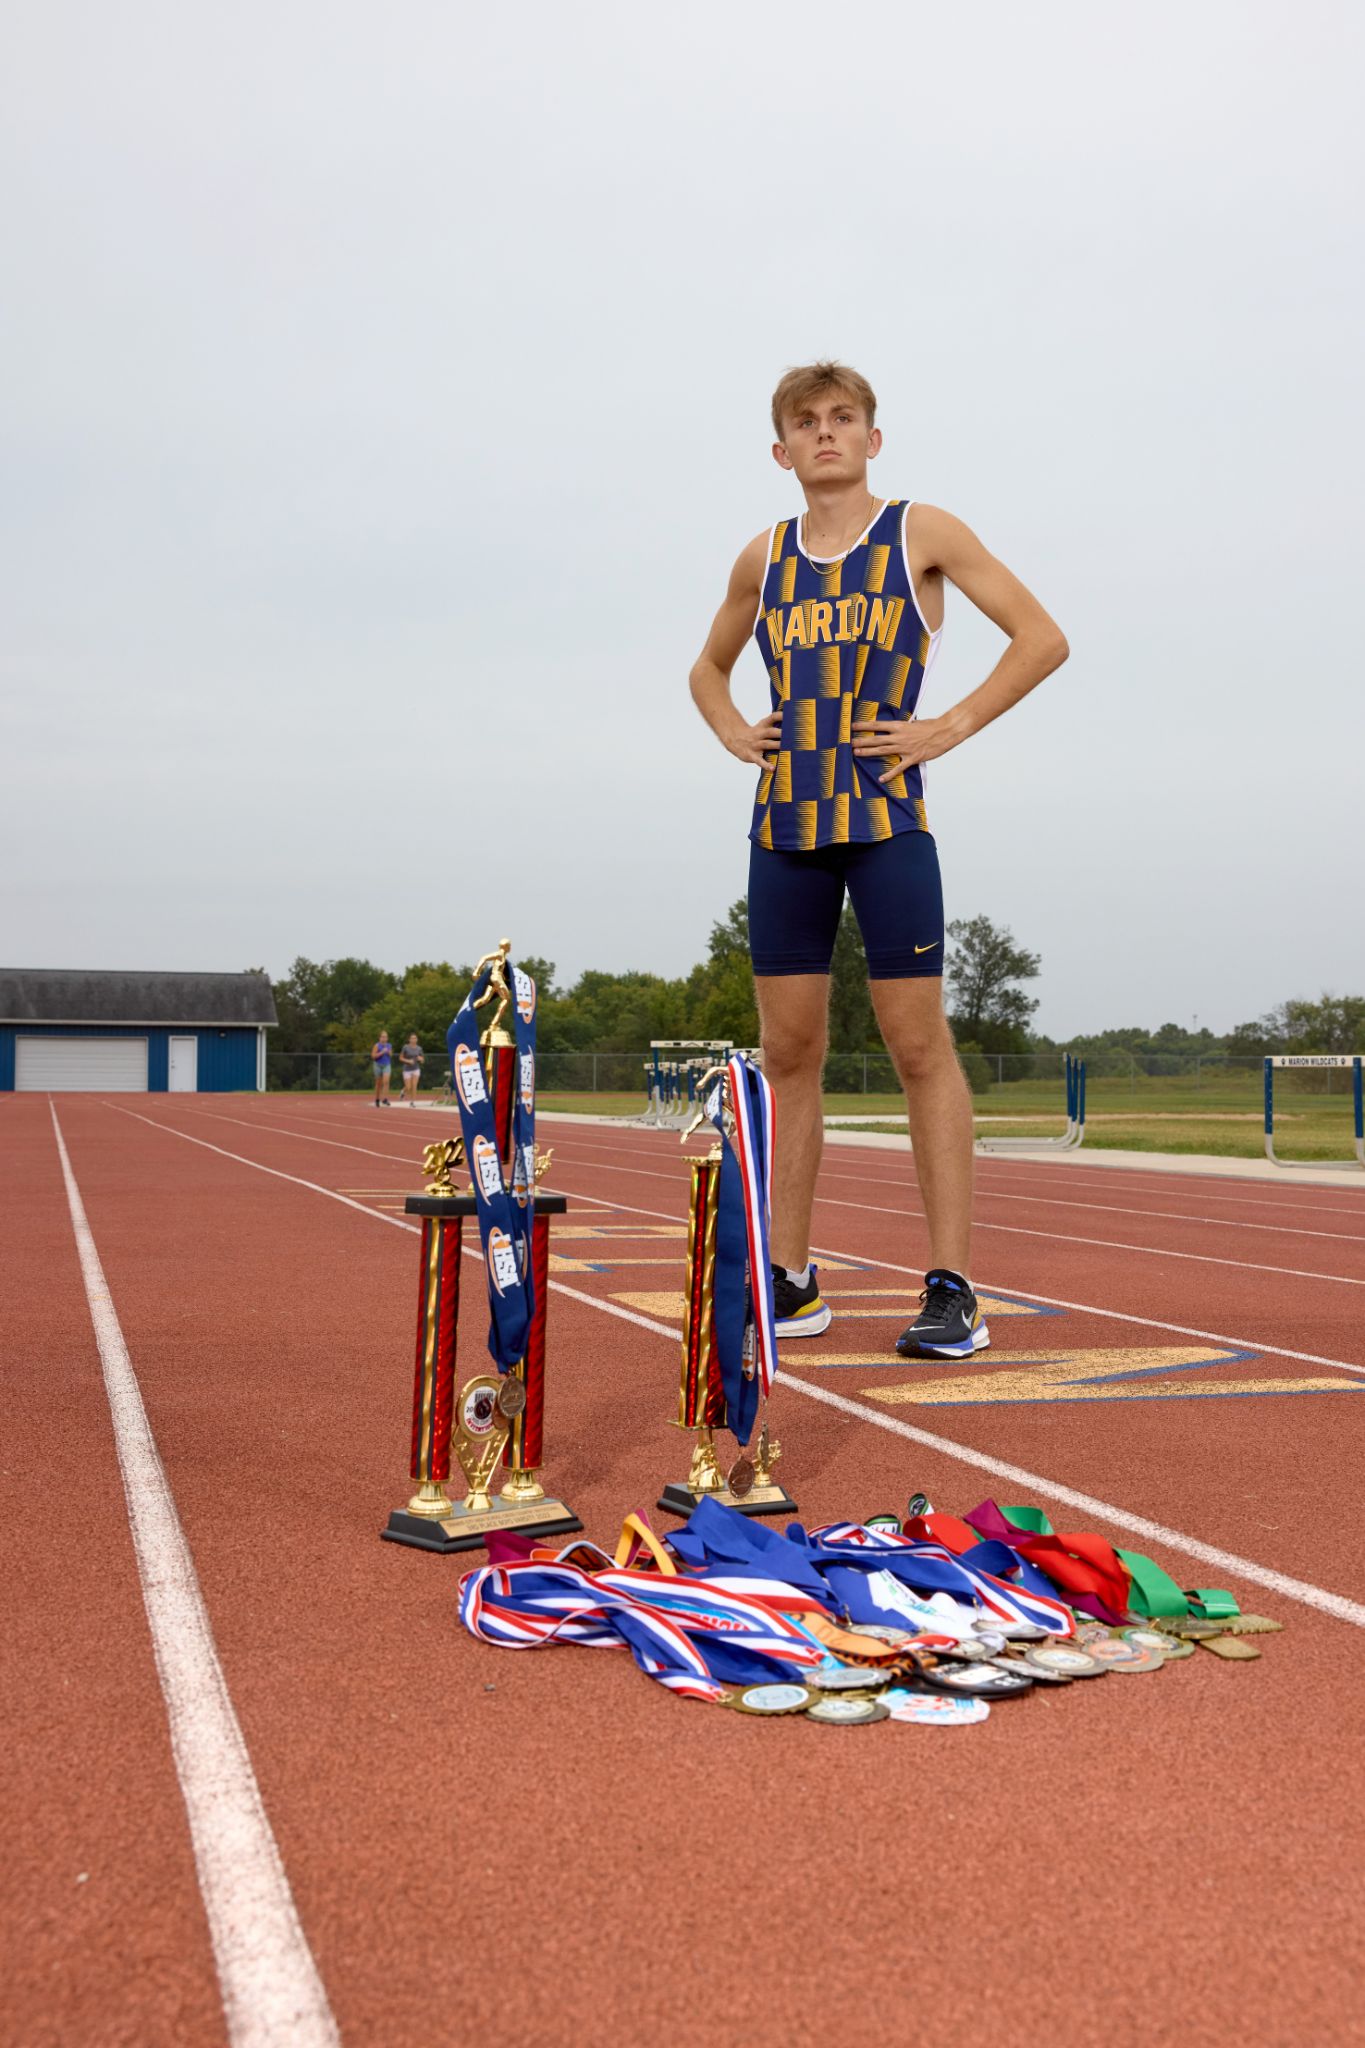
(757, 742)
(905, 741)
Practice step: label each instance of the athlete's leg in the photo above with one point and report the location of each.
(794, 904)
(898, 897)
(793, 1014)
(910, 1017)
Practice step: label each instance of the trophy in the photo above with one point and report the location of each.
(748, 1484)
(499, 1418)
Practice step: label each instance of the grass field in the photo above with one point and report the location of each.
(1149, 1115)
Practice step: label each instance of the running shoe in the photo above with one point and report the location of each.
(799, 1310)
(949, 1324)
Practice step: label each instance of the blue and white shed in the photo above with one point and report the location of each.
(110, 1029)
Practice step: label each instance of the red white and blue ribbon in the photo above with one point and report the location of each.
(835, 1564)
(1006, 1599)
(693, 1636)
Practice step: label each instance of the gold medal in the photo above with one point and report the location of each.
(846, 1712)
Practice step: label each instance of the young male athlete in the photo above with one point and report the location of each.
(846, 605)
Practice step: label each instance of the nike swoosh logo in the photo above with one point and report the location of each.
(927, 949)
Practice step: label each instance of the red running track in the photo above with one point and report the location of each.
(477, 1841)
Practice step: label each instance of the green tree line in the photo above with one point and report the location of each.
(337, 1007)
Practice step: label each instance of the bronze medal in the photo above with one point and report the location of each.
(1251, 1625)
(1233, 1648)
(740, 1477)
(511, 1396)
(1174, 1649)
(1141, 1660)
(1114, 1653)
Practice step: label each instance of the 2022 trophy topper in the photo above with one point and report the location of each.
(729, 1346)
(498, 1417)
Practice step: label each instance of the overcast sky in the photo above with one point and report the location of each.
(385, 394)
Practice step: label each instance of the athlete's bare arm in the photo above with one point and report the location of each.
(710, 677)
(938, 547)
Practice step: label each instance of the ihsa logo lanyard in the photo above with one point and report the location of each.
(505, 1219)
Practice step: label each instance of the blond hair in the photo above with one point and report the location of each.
(799, 387)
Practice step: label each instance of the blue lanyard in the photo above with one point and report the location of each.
(505, 1217)
(742, 1310)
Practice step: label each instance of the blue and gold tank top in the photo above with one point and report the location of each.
(843, 643)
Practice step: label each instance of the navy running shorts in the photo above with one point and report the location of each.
(795, 902)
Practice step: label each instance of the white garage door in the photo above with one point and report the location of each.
(106, 1064)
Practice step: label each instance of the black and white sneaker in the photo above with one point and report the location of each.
(799, 1310)
(949, 1324)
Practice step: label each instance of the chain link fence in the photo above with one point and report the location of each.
(1211, 1076)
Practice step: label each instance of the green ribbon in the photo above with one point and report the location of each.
(1154, 1592)
(1211, 1603)
(1029, 1518)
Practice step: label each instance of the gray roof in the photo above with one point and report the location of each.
(78, 995)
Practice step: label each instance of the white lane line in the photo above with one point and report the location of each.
(1238, 1223)
(1210, 1186)
(1137, 1525)
(825, 1251)
(1172, 1539)
(274, 1171)
(1112, 1244)
(257, 1123)
(272, 1994)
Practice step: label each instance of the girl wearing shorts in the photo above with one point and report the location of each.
(381, 1052)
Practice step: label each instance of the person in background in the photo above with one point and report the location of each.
(410, 1060)
(381, 1052)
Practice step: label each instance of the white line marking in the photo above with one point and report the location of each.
(1111, 1244)
(272, 1994)
(1116, 1315)
(1137, 1525)
(825, 1251)
(1301, 1590)
(1211, 1186)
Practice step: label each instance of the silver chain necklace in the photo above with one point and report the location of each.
(839, 554)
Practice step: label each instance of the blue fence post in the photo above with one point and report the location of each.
(1269, 1099)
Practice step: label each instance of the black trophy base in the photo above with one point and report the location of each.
(461, 1530)
(760, 1500)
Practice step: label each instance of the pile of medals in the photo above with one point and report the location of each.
(927, 1619)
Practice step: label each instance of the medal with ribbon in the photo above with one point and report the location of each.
(743, 1311)
(505, 1215)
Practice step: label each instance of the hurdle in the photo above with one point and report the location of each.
(1315, 1059)
(672, 1073)
(1072, 1136)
